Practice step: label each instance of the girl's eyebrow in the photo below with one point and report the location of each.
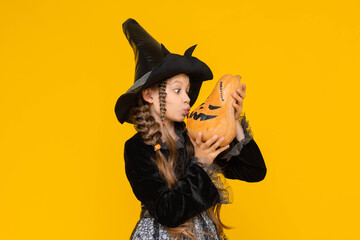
(180, 83)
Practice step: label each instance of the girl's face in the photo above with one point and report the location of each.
(177, 99)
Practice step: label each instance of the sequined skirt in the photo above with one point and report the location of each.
(148, 228)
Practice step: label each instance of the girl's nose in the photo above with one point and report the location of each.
(187, 99)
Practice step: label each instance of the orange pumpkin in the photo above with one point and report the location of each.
(216, 114)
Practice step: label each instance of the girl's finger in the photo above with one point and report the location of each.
(209, 142)
(217, 143)
(217, 152)
(237, 97)
(198, 138)
(241, 93)
(236, 106)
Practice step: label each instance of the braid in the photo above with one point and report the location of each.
(162, 96)
(145, 123)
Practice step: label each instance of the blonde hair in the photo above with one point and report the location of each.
(149, 130)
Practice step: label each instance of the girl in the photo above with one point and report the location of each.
(176, 178)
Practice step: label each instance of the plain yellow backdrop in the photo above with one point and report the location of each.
(63, 64)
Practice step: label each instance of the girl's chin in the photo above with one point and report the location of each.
(178, 119)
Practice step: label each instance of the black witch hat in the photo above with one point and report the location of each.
(154, 63)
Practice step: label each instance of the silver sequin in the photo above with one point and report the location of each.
(148, 228)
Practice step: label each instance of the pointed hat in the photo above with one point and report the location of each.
(154, 63)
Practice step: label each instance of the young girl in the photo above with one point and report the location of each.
(176, 178)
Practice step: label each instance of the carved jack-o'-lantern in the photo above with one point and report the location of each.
(216, 114)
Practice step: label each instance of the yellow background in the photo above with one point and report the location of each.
(63, 64)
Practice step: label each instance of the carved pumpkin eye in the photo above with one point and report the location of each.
(211, 107)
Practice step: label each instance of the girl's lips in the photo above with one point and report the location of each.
(187, 110)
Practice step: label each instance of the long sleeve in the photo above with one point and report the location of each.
(243, 160)
(193, 193)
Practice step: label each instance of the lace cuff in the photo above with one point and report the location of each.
(236, 145)
(216, 175)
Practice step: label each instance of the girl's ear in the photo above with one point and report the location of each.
(147, 95)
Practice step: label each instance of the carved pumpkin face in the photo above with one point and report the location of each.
(216, 114)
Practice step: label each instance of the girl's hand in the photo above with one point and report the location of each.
(238, 96)
(207, 151)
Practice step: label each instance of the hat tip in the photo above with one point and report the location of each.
(129, 21)
(190, 50)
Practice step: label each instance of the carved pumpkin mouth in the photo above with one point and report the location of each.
(195, 115)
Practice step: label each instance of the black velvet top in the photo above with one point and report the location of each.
(195, 191)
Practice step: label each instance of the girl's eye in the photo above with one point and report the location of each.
(177, 90)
